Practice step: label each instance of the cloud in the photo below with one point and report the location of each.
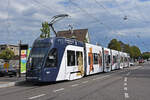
(103, 18)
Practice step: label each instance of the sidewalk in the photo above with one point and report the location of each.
(11, 81)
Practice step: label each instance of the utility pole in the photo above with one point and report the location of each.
(19, 72)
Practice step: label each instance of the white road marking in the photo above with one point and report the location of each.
(137, 67)
(106, 76)
(126, 95)
(58, 90)
(85, 82)
(102, 77)
(128, 73)
(125, 79)
(34, 97)
(125, 88)
(94, 79)
(74, 85)
(125, 84)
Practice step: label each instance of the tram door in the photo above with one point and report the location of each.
(107, 58)
(74, 63)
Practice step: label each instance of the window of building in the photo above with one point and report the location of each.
(70, 58)
(3, 48)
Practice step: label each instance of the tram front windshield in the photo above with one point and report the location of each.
(37, 55)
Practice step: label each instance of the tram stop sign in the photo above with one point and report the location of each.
(23, 58)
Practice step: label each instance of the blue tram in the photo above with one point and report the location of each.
(57, 59)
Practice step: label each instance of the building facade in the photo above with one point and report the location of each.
(14, 48)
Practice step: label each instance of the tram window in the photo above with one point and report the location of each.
(52, 58)
(100, 59)
(121, 59)
(89, 59)
(109, 59)
(114, 59)
(126, 59)
(70, 58)
(95, 58)
(79, 57)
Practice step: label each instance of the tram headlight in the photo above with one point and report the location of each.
(40, 78)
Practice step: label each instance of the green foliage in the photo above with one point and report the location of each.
(45, 30)
(126, 48)
(7, 54)
(85, 40)
(114, 44)
(146, 55)
(135, 52)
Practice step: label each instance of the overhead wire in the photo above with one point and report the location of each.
(96, 19)
(7, 21)
(123, 11)
(47, 7)
(144, 20)
(139, 12)
(93, 17)
(139, 38)
(50, 9)
(102, 6)
(136, 9)
(124, 14)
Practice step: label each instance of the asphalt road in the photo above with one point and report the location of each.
(128, 84)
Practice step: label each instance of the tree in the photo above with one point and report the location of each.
(126, 48)
(135, 52)
(114, 44)
(7, 54)
(45, 30)
(85, 40)
(146, 55)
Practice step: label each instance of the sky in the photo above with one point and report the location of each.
(104, 19)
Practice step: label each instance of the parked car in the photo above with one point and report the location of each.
(141, 61)
(11, 71)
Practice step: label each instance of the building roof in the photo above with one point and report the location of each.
(79, 34)
(9, 45)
